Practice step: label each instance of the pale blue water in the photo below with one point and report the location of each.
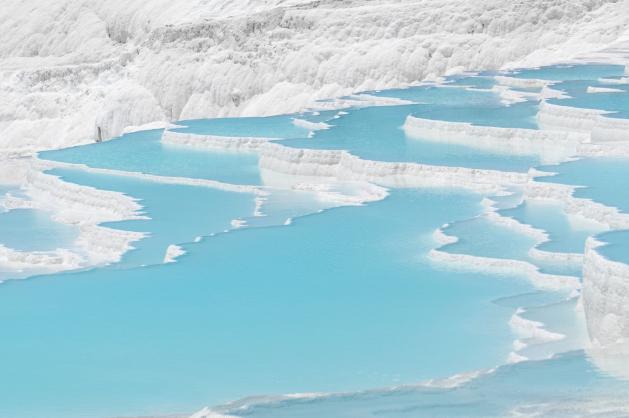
(563, 387)
(601, 178)
(34, 230)
(444, 95)
(571, 72)
(270, 127)
(143, 152)
(375, 133)
(30, 230)
(484, 238)
(178, 214)
(517, 115)
(550, 217)
(615, 102)
(559, 317)
(460, 104)
(338, 301)
(616, 246)
(4, 189)
(238, 316)
(282, 206)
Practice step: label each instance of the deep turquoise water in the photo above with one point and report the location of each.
(563, 387)
(143, 152)
(375, 133)
(601, 179)
(238, 316)
(339, 300)
(616, 246)
(33, 230)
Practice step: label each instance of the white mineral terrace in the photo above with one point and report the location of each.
(72, 204)
(550, 146)
(101, 69)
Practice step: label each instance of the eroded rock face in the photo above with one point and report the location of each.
(72, 67)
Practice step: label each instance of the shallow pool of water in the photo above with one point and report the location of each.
(616, 246)
(34, 230)
(564, 236)
(143, 152)
(282, 126)
(375, 133)
(308, 297)
(601, 179)
(260, 310)
(560, 387)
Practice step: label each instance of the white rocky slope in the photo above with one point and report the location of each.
(72, 70)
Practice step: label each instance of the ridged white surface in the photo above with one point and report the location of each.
(504, 266)
(605, 296)
(72, 204)
(70, 67)
(550, 146)
(591, 89)
(341, 165)
(608, 217)
(213, 142)
(563, 118)
(528, 332)
(186, 181)
(522, 83)
(318, 165)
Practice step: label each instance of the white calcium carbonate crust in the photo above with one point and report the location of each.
(81, 206)
(550, 146)
(74, 70)
(321, 166)
(608, 217)
(605, 296)
(505, 267)
(607, 134)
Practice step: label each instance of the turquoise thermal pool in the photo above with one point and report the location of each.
(290, 279)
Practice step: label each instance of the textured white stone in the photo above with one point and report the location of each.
(550, 146)
(605, 295)
(71, 67)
